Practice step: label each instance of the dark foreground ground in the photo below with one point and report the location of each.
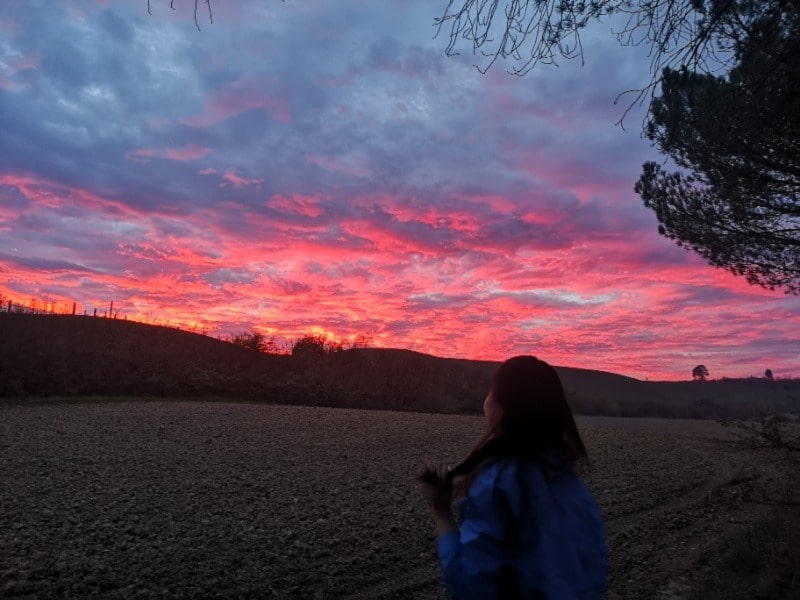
(181, 499)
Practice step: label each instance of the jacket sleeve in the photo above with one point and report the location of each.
(471, 558)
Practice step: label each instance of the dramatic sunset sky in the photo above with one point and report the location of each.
(320, 166)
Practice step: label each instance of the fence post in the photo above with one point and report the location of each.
(74, 306)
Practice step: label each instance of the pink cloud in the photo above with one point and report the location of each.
(48, 194)
(231, 178)
(12, 66)
(378, 268)
(352, 167)
(235, 98)
(307, 206)
(190, 152)
(25, 63)
(207, 171)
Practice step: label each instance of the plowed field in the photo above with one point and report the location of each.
(182, 499)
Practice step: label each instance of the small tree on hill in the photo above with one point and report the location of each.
(700, 373)
(309, 346)
(253, 340)
(315, 346)
(768, 374)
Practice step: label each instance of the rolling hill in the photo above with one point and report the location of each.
(68, 356)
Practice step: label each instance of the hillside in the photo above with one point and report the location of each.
(59, 355)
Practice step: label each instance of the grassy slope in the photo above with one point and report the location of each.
(55, 355)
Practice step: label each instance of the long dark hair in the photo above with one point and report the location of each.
(535, 418)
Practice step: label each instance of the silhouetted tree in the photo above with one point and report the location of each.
(309, 346)
(253, 340)
(697, 34)
(700, 373)
(315, 346)
(737, 202)
(768, 374)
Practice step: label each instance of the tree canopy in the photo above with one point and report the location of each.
(698, 35)
(700, 373)
(736, 201)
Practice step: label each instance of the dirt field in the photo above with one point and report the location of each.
(169, 499)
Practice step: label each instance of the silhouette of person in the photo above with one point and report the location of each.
(528, 526)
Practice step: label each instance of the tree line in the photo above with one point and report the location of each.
(309, 345)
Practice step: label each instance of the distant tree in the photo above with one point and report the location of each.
(737, 202)
(768, 374)
(700, 373)
(253, 340)
(315, 346)
(362, 340)
(309, 346)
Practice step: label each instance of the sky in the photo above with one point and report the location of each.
(322, 167)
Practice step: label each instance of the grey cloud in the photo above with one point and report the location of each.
(228, 275)
(289, 286)
(47, 265)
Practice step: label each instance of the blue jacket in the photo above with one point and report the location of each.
(540, 520)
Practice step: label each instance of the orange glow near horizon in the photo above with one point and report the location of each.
(388, 283)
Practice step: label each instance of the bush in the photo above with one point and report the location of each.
(315, 346)
(253, 340)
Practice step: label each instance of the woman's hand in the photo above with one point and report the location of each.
(437, 489)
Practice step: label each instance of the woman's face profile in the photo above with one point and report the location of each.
(492, 411)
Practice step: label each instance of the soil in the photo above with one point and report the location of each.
(182, 499)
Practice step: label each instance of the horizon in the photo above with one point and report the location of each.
(295, 170)
(283, 347)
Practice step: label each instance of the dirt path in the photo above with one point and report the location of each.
(160, 499)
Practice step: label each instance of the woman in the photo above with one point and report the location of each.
(529, 528)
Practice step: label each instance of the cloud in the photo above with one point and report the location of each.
(189, 152)
(42, 264)
(13, 67)
(305, 206)
(231, 178)
(360, 182)
(237, 97)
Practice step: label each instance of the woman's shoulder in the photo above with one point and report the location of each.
(496, 469)
(512, 476)
(503, 475)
